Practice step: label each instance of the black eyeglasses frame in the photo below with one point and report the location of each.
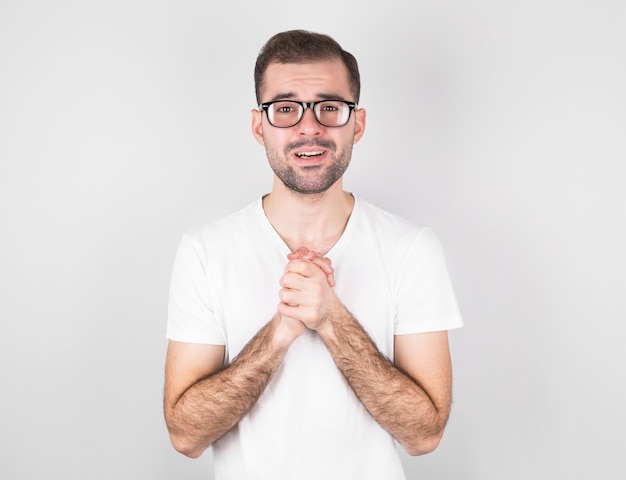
(351, 105)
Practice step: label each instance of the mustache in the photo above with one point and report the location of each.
(326, 144)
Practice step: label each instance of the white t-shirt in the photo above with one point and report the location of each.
(308, 423)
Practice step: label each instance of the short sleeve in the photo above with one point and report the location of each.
(425, 297)
(190, 315)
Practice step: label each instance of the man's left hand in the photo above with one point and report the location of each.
(307, 294)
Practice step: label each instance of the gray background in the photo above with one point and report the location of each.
(501, 124)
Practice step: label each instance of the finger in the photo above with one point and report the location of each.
(303, 267)
(290, 282)
(299, 253)
(290, 311)
(323, 262)
(326, 265)
(288, 297)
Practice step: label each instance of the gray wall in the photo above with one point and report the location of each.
(501, 124)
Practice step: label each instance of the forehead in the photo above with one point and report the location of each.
(306, 81)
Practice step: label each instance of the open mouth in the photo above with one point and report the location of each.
(309, 154)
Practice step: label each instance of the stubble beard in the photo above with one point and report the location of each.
(310, 185)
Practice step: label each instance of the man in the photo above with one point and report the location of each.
(355, 356)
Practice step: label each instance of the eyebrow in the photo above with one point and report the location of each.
(321, 96)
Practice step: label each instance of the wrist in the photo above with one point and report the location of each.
(327, 329)
(285, 331)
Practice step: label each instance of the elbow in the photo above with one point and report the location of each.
(187, 448)
(422, 445)
(182, 441)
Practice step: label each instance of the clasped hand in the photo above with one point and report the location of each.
(307, 295)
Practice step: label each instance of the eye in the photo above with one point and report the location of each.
(329, 107)
(285, 108)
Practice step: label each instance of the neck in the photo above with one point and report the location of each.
(314, 221)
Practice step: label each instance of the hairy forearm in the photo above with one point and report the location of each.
(214, 404)
(395, 400)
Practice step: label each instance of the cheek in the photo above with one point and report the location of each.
(274, 153)
(277, 141)
(345, 142)
(270, 147)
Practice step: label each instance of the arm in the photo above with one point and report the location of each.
(410, 399)
(203, 401)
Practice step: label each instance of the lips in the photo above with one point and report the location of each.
(311, 154)
(309, 158)
(308, 147)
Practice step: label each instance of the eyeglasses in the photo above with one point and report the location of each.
(287, 113)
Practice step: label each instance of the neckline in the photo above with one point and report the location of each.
(334, 250)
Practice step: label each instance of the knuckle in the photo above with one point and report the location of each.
(286, 279)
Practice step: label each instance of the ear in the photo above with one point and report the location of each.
(257, 125)
(359, 126)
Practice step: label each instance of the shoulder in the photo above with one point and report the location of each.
(226, 229)
(375, 215)
(213, 241)
(387, 224)
(395, 233)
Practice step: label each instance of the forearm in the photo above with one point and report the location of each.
(214, 404)
(394, 399)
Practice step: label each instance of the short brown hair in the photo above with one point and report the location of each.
(300, 46)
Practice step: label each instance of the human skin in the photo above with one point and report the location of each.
(414, 413)
(409, 397)
(215, 403)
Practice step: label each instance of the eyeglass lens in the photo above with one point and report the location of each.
(329, 113)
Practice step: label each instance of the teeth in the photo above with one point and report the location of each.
(308, 154)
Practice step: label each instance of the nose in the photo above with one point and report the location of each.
(308, 124)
